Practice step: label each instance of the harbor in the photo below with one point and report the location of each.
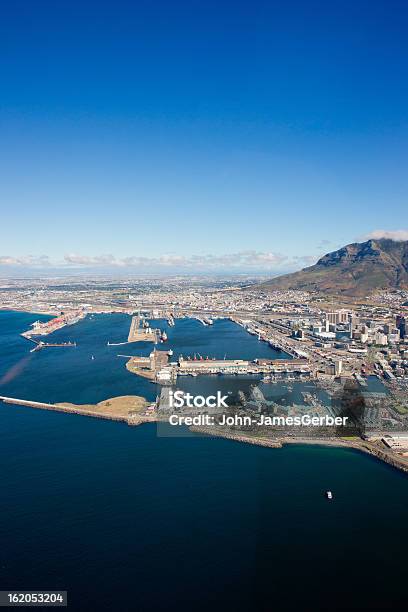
(197, 358)
(88, 475)
(46, 328)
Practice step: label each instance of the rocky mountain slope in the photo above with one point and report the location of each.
(356, 269)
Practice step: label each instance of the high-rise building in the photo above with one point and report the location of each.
(331, 318)
(338, 316)
(343, 316)
(338, 367)
(381, 338)
(401, 326)
(394, 336)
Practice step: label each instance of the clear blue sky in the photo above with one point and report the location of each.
(192, 127)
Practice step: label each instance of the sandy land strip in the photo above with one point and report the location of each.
(132, 409)
(128, 408)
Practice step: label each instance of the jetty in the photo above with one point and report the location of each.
(41, 345)
(59, 408)
(139, 332)
(132, 410)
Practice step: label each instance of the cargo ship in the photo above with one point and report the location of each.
(39, 328)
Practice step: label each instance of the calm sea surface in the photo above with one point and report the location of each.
(125, 520)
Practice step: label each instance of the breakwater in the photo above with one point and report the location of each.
(373, 449)
(116, 409)
(62, 408)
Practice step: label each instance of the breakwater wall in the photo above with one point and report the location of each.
(219, 433)
(62, 408)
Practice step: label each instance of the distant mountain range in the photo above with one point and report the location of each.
(356, 269)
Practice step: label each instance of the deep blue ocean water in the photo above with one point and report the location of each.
(126, 520)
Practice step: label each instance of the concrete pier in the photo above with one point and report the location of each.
(141, 334)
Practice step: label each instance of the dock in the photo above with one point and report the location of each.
(275, 367)
(138, 333)
(42, 345)
(39, 344)
(39, 328)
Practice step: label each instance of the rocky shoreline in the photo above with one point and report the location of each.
(371, 448)
(131, 410)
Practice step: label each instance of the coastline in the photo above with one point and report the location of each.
(130, 409)
(370, 448)
(47, 313)
(134, 411)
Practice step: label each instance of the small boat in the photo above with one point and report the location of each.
(170, 352)
(92, 357)
(329, 495)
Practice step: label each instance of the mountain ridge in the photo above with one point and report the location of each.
(356, 269)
